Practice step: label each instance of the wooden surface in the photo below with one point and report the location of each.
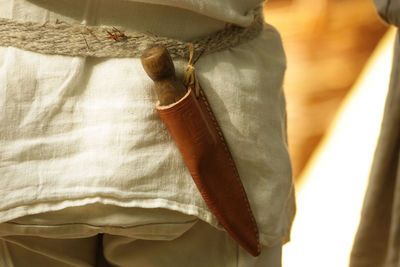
(327, 44)
(158, 64)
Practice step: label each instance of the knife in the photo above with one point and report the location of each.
(202, 145)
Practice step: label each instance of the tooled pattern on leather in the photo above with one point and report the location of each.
(243, 193)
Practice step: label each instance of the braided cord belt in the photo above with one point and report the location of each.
(61, 38)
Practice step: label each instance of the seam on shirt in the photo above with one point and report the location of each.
(198, 210)
(93, 225)
(130, 196)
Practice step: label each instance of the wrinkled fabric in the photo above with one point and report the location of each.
(389, 10)
(80, 131)
(196, 246)
(377, 242)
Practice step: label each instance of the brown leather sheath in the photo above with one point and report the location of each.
(205, 152)
(193, 127)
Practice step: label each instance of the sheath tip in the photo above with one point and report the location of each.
(254, 250)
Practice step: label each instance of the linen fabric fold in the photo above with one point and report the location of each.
(389, 10)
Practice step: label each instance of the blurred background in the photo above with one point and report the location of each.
(327, 43)
(339, 58)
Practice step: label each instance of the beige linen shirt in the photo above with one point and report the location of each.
(83, 132)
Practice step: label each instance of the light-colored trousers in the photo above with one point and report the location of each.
(193, 243)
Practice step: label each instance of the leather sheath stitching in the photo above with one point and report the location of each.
(243, 194)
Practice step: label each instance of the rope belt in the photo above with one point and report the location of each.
(61, 38)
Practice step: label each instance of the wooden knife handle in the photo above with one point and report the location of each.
(158, 65)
